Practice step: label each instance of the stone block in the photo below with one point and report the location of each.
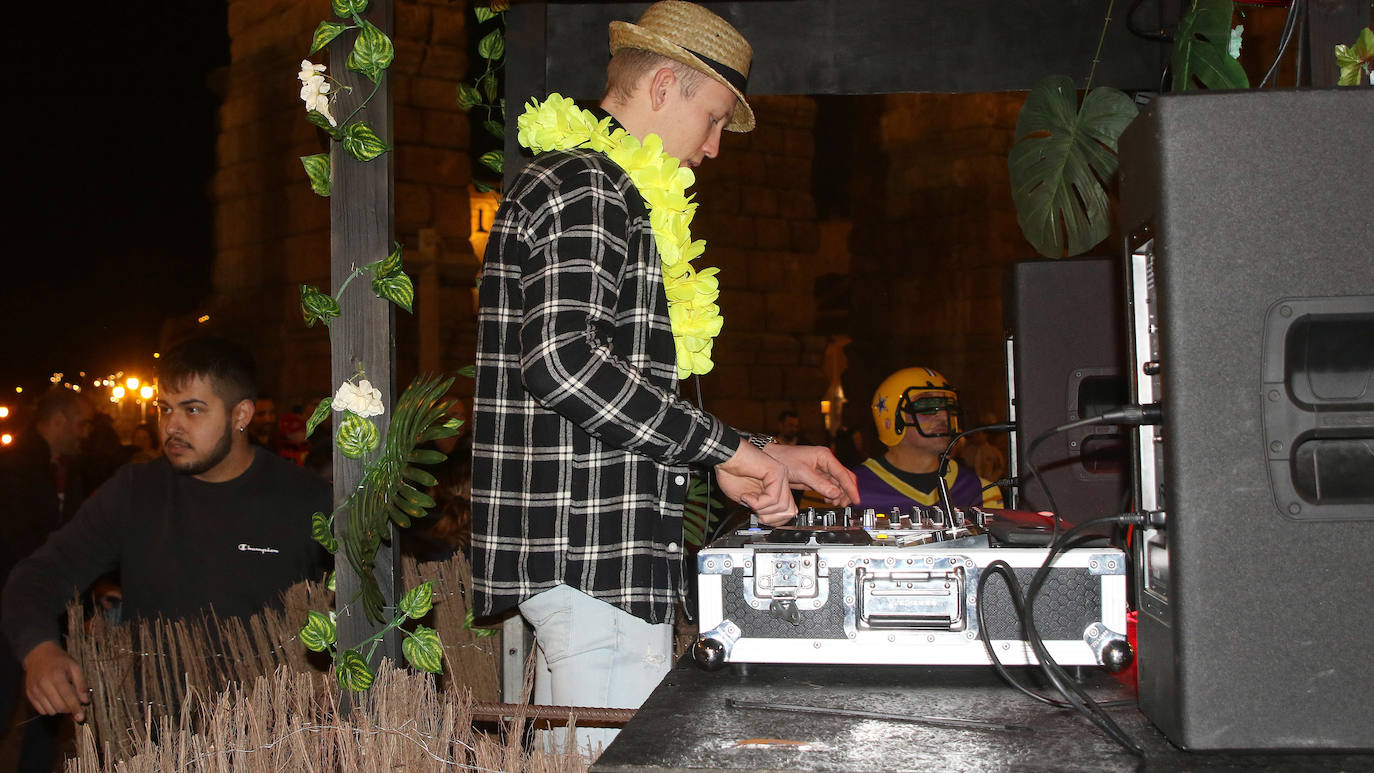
(790, 313)
(804, 236)
(443, 129)
(304, 209)
(449, 26)
(452, 215)
(441, 166)
(759, 200)
(413, 209)
(411, 25)
(433, 93)
(409, 57)
(444, 62)
(773, 233)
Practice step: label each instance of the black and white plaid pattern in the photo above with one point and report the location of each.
(580, 441)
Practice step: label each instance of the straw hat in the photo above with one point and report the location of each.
(687, 33)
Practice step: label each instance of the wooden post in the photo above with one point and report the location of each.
(362, 222)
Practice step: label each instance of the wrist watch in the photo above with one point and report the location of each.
(760, 441)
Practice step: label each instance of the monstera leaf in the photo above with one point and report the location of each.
(1062, 158)
(1202, 57)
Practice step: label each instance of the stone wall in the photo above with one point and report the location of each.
(272, 232)
(934, 231)
(904, 254)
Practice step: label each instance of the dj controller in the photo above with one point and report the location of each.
(843, 586)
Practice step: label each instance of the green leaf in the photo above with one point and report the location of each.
(316, 306)
(1201, 57)
(346, 8)
(468, 371)
(493, 160)
(319, 631)
(1356, 60)
(317, 118)
(319, 415)
(419, 476)
(468, 97)
(481, 633)
(329, 583)
(1060, 161)
(483, 13)
(495, 129)
(415, 496)
(397, 289)
(317, 169)
(397, 516)
(425, 456)
(424, 651)
(482, 187)
(388, 266)
(372, 53)
(492, 46)
(324, 33)
(447, 429)
(418, 601)
(353, 672)
(363, 143)
(357, 436)
(322, 531)
(487, 83)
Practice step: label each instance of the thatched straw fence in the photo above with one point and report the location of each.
(244, 695)
(284, 723)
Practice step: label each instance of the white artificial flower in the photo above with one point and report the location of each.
(1233, 46)
(315, 89)
(310, 70)
(363, 399)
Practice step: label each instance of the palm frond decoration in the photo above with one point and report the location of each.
(385, 493)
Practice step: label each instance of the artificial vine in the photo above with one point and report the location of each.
(393, 481)
(484, 92)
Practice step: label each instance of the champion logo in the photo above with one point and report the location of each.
(246, 548)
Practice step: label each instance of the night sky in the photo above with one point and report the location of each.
(108, 146)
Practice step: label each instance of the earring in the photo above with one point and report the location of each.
(240, 429)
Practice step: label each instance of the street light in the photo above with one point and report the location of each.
(146, 393)
(131, 383)
(118, 392)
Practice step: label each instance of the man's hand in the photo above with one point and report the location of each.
(759, 482)
(814, 467)
(54, 682)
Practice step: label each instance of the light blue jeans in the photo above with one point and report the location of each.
(590, 653)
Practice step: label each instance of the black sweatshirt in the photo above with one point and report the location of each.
(182, 546)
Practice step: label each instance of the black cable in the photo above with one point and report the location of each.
(1127, 414)
(943, 466)
(1014, 589)
(1072, 692)
(1289, 23)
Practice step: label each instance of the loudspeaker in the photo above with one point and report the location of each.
(1251, 312)
(1068, 330)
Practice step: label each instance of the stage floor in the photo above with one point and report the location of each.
(686, 725)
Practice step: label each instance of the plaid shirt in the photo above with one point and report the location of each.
(580, 441)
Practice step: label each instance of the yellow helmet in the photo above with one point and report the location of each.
(895, 403)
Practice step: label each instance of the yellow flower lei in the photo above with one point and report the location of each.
(559, 124)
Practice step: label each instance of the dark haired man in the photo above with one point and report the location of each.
(41, 486)
(213, 523)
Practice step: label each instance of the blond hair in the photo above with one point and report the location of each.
(629, 65)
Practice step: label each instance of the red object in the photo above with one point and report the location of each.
(1128, 677)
